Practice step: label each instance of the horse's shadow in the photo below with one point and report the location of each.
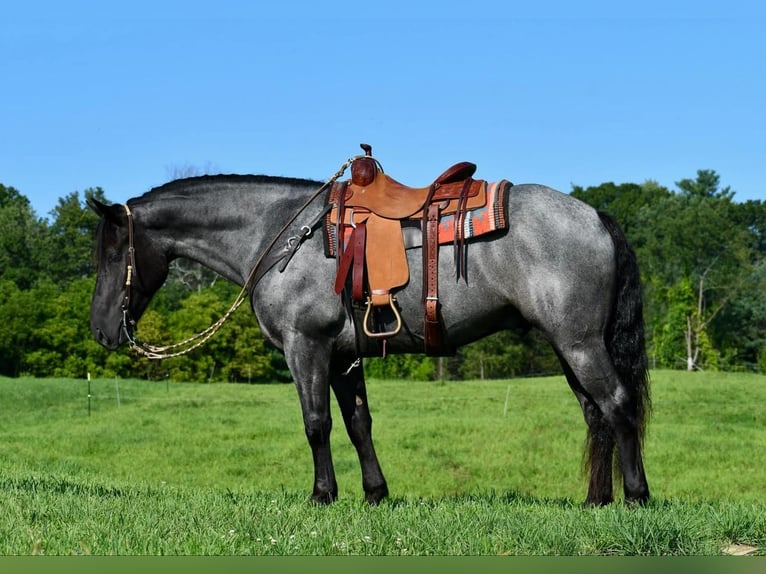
(515, 498)
(511, 497)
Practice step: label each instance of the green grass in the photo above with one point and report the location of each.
(160, 468)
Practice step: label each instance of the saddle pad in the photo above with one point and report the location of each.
(479, 221)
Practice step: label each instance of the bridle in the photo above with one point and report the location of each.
(265, 262)
(128, 323)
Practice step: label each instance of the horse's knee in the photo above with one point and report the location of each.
(317, 429)
(360, 427)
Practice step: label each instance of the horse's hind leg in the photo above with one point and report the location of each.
(611, 413)
(599, 448)
(351, 392)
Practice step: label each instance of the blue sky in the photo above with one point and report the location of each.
(126, 96)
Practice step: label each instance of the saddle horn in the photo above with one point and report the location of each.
(364, 169)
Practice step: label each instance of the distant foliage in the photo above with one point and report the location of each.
(701, 255)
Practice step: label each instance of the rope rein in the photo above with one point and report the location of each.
(195, 341)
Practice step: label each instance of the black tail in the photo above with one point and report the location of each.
(625, 332)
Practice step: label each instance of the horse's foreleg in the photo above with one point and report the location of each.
(351, 392)
(311, 376)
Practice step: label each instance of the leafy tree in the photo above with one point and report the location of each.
(705, 185)
(19, 230)
(62, 344)
(741, 325)
(413, 367)
(623, 201)
(691, 241)
(682, 337)
(235, 353)
(508, 354)
(751, 216)
(494, 357)
(21, 313)
(67, 252)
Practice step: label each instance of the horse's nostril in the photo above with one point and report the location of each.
(100, 336)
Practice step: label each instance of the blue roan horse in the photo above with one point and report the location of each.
(560, 267)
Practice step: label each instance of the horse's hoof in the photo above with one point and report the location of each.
(323, 498)
(375, 495)
(637, 501)
(593, 503)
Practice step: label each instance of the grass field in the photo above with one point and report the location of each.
(157, 468)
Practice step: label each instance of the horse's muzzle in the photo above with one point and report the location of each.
(104, 340)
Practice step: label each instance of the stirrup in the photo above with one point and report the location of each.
(385, 334)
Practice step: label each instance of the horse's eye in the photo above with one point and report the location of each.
(114, 257)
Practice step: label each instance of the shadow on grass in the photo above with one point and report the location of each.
(56, 485)
(512, 497)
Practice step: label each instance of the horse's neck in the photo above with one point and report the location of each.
(227, 226)
(217, 234)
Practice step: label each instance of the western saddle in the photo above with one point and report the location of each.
(373, 264)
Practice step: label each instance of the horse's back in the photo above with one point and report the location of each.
(536, 209)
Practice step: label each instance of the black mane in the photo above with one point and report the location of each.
(183, 184)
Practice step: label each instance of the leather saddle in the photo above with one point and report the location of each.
(374, 261)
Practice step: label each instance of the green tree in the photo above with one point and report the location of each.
(236, 352)
(62, 345)
(692, 241)
(623, 201)
(498, 356)
(19, 232)
(68, 242)
(741, 325)
(22, 311)
(414, 367)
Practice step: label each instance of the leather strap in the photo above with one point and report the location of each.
(432, 329)
(344, 264)
(340, 189)
(353, 257)
(459, 242)
(357, 281)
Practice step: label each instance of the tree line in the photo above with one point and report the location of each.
(700, 252)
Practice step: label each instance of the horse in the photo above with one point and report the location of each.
(560, 266)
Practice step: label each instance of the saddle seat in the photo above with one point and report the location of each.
(385, 196)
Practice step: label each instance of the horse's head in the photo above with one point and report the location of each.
(131, 268)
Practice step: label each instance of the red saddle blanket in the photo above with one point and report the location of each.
(491, 217)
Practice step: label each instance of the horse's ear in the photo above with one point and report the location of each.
(111, 212)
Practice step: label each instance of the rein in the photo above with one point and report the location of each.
(256, 274)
